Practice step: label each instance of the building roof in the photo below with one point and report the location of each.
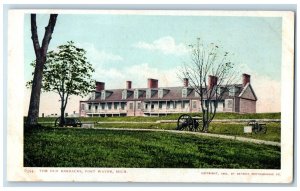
(171, 93)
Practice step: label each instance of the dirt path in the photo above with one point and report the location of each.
(243, 139)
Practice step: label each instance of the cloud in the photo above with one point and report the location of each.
(138, 74)
(166, 45)
(267, 90)
(96, 56)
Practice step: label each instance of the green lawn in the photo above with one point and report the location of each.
(51, 147)
(231, 128)
(237, 129)
(174, 117)
(234, 129)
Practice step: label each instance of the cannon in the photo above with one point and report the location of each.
(189, 123)
(258, 127)
(69, 121)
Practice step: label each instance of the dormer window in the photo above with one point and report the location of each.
(184, 92)
(103, 95)
(220, 90)
(93, 96)
(162, 92)
(148, 93)
(232, 90)
(126, 94)
(136, 94)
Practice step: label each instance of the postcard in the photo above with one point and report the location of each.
(150, 96)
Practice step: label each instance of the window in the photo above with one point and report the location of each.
(160, 93)
(152, 106)
(97, 94)
(184, 92)
(168, 105)
(90, 107)
(115, 105)
(146, 106)
(124, 94)
(96, 107)
(136, 94)
(102, 106)
(122, 106)
(109, 105)
(148, 93)
(160, 105)
(138, 105)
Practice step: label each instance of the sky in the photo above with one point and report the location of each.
(137, 47)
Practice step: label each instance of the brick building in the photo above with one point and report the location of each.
(155, 100)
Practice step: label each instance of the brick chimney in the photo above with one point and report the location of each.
(100, 86)
(212, 81)
(185, 82)
(152, 83)
(128, 84)
(246, 79)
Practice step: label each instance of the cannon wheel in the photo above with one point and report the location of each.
(185, 122)
(263, 129)
(57, 122)
(200, 125)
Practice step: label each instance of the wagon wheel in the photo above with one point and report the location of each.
(185, 122)
(264, 129)
(200, 125)
(57, 121)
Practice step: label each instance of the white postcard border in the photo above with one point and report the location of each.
(16, 171)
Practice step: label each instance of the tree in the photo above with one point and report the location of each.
(210, 72)
(67, 72)
(40, 53)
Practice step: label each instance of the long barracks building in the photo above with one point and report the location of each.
(155, 100)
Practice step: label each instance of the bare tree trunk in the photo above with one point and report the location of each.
(40, 53)
(62, 111)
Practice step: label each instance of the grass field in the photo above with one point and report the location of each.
(234, 129)
(174, 117)
(51, 147)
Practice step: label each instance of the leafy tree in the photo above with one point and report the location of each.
(209, 65)
(67, 72)
(40, 53)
